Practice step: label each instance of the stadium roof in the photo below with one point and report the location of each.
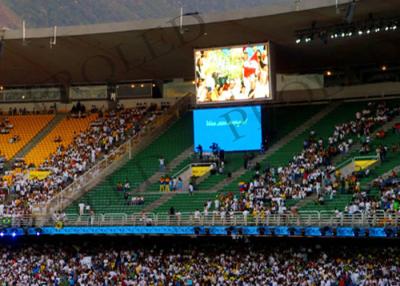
(155, 49)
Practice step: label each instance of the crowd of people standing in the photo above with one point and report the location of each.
(209, 261)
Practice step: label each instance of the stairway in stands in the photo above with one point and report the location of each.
(105, 199)
(27, 127)
(177, 165)
(340, 201)
(355, 149)
(40, 135)
(66, 129)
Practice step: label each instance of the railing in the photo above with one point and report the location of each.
(306, 219)
(110, 162)
(183, 169)
(353, 159)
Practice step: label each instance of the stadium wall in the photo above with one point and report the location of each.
(304, 92)
(303, 88)
(339, 92)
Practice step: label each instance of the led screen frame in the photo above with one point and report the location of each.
(230, 81)
(233, 128)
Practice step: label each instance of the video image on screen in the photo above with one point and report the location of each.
(232, 128)
(239, 73)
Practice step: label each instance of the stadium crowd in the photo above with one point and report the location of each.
(388, 201)
(195, 263)
(309, 172)
(106, 133)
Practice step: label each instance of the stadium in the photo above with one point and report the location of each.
(199, 142)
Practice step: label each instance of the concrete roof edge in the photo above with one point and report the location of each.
(148, 24)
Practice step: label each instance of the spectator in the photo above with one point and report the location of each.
(179, 185)
(191, 189)
(199, 149)
(309, 170)
(81, 206)
(183, 262)
(127, 185)
(104, 135)
(120, 188)
(161, 160)
(162, 184)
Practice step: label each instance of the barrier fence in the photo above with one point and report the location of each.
(303, 219)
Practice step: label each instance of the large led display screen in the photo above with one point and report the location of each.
(232, 128)
(233, 74)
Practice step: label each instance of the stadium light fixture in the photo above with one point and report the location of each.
(383, 67)
(24, 42)
(350, 12)
(347, 29)
(38, 231)
(297, 5)
(181, 29)
(53, 40)
(191, 14)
